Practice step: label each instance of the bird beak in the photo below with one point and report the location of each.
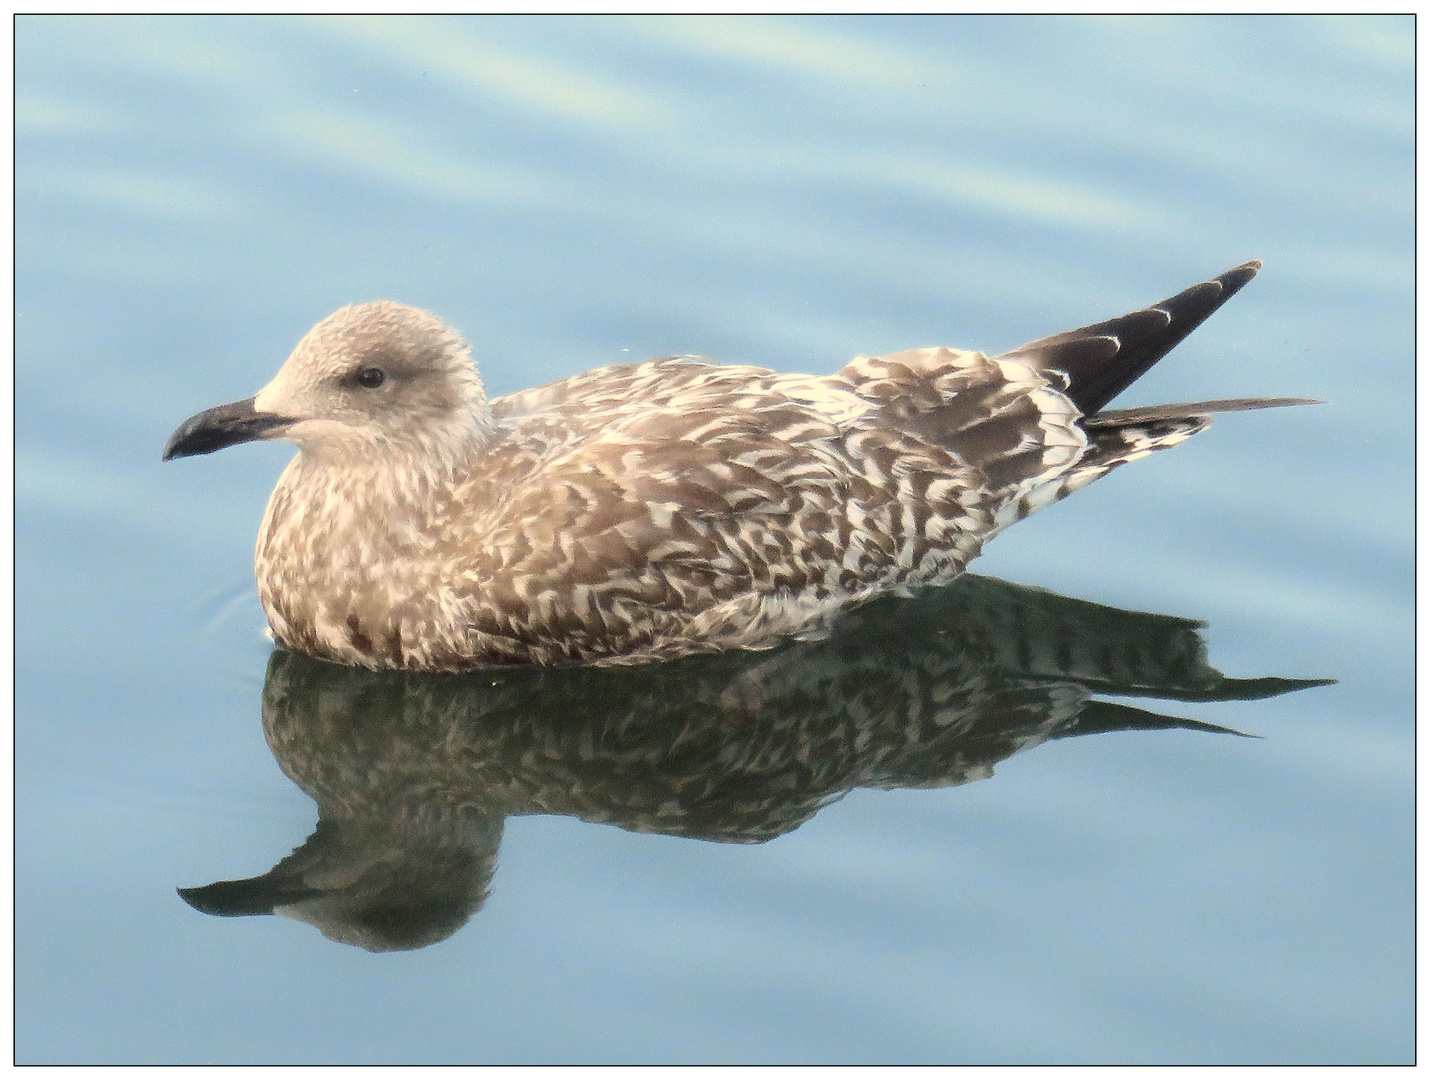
(213, 429)
(251, 896)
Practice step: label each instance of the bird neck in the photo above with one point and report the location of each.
(351, 501)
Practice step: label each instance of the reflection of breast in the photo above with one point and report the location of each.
(414, 773)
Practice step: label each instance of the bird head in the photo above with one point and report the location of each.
(368, 380)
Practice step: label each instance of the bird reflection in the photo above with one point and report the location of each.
(414, 774)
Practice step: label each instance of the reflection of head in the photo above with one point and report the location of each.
(414, 773)
(362, 885)
(416, 896)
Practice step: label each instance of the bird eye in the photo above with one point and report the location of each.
(370, 377)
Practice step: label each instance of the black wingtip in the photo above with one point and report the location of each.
(1238, 276)
(1233, 281)
(1105, 358)
(1188, 310)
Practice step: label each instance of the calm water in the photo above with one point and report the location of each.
(194, 193)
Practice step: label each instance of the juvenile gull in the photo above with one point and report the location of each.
(676, 506)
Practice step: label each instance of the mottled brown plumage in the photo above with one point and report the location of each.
(659, 509)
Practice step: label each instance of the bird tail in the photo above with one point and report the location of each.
(1117, 436)
(1116, 418)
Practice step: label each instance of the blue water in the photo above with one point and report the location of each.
(192, 194)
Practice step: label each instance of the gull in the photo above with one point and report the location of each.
(648, 511)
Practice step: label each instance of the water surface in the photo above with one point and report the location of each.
(192, 194)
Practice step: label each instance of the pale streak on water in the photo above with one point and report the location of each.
(193, 193)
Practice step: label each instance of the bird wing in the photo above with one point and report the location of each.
(670, 498)
(604, 387)
(1005, 426)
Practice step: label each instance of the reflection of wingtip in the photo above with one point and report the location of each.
(1248, 689)
(1219, 729)
(1270, 686)
(1214, 729)
(1098, 717)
